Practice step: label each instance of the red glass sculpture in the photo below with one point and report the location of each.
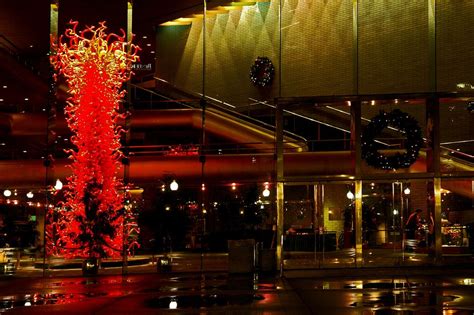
(90, 223)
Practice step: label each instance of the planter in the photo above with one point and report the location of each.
(241, 256)
(267, 262)
(90, 267)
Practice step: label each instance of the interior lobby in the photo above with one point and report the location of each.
(316, 129)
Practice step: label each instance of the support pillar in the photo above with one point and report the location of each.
(279, 184)
(358, 223)
(356, 160)
(433, 166)
(126, 161)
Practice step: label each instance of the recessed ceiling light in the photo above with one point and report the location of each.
(5, 86)
(152, 52)
(31, 46)
(1, 99)
(24, 151)
(3, 143)
(26, 98)
(144, 37)
(149, 45)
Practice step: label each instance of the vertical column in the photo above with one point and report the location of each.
(356, 160)
(280, 45)
(355, 47)
(279, 183)
(318, 218)
(126, 153)
(432, 45)
(202, 155)
(433, 166)
(438, 242)
(358, 223)
(50, 125)
(356, 157)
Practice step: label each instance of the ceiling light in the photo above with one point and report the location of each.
(350, 195)
(266, 192)
(407, 191)
(26, 98)
(7, 192)
(5, 86)
(30, 195)
(144, 37)
(149, 45)
(174, 185)
(58, 185)
(1, 99)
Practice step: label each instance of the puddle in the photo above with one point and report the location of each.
(395, 285)
(402, 300)
(28, 300)
(202, 301)
(91, 281)
(203, 277)
(187, 288)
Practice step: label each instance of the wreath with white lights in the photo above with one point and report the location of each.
(405, 124)
(262, 72)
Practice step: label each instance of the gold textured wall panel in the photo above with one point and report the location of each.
(234, 41)
(317, 47)
(393, 46)
(179, 55)
(454, 43)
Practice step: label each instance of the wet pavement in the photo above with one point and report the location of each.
(222, 293)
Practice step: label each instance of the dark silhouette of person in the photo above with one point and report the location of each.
(413, 223)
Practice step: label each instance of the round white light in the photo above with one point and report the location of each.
(407, 191)
(350, 195)
(395, 212)
(173, 305)
(29, 195)
(7, 193)
(266, 192)
(174, 185)
(58, 185)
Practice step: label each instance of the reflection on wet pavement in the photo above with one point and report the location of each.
(388, 296)
(151, 293)
(202, 301)
(9, 302)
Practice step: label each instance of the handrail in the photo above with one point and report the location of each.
(301, 116)
(159, 95)
(217, 104)
(15, 52)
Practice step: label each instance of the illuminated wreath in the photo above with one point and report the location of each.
(262, 72)
(405, 124)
